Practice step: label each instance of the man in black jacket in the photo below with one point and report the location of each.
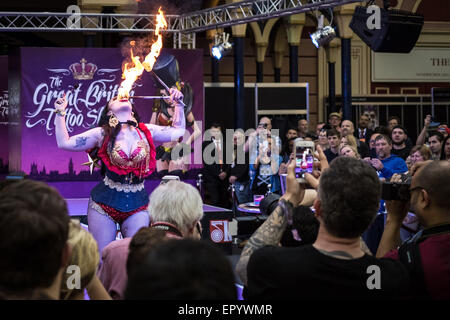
(239, 169)
(363, 133)
(215, 169)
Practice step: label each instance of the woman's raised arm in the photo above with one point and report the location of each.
(80, 142)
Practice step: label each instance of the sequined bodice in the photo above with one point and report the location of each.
(136, 159)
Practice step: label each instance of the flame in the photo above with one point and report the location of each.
(150, 59)
(131, 71)
(130, 74)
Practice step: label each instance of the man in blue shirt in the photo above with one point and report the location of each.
(386, 163)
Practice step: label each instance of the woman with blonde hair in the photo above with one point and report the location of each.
(349, 151)
(81, 270)
(420, 153)
(349, 140)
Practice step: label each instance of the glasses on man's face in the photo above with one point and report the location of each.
(416, 188)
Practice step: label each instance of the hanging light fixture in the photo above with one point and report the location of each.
(221, 45)
(323, 35)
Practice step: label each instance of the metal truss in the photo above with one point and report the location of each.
(98, 22)
(183, 40)
(183, 26)
(250, 10)
(217, 17)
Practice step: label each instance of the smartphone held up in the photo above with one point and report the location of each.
(304, 159)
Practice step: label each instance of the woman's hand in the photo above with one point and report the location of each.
(322, 158)
(61, 103)
(294, 190)
(175, 97)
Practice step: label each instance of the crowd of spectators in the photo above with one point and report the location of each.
(338, 235)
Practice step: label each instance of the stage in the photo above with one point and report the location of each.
(78, 207)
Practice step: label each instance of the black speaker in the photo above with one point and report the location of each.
(398, 32)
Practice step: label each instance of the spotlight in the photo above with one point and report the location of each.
(323, 35)
(221, 45)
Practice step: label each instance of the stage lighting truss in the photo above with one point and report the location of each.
(226, 15)
(221, 45)
(323, 35)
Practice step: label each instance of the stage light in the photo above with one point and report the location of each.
(221, 45)
(323, 35)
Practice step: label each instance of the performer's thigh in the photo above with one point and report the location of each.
(133, 223)
(102, 227)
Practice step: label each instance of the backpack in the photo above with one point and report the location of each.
(409, 255)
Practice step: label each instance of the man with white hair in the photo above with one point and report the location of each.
(175, 207)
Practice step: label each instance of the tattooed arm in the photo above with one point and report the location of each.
(80, 142)
(271, 231)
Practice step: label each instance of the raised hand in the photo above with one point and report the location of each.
(175, 96)
(61, 103)
(294, 190)
(427, 120)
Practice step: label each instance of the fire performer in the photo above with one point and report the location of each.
(172, 157)
(126, 149)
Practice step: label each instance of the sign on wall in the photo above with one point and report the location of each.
(420, 65)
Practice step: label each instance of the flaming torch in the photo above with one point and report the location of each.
(150, 59)
(130, 74)
(133, 70)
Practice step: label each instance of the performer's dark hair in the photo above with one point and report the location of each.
(109, 131)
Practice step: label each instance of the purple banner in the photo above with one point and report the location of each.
(47, 73)
(4, 114)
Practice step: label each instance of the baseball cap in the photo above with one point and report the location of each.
(335, 114)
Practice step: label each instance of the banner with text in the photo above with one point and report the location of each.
(89, 77)
(4, 114)
(420, 65)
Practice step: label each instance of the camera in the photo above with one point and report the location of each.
(269, 203)
(397, 191)
(262, 125)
